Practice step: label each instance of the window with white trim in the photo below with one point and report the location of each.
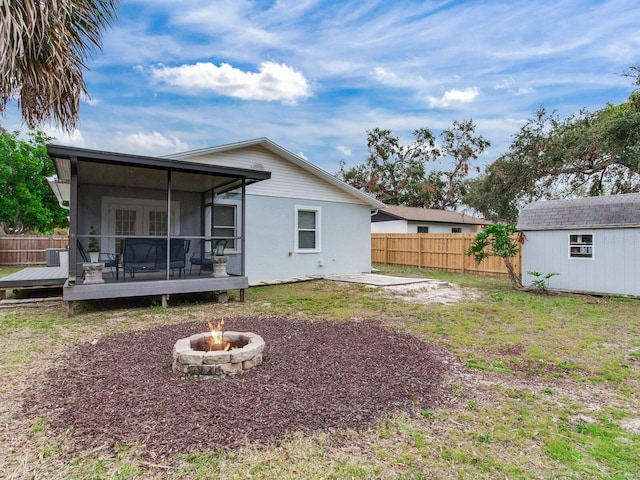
(307, 229)
(580, 245)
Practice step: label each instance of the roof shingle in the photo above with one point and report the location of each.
(589, 212)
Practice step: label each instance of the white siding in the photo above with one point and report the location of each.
(287, 180)
(392, 226)
(402, 226)
(614, 268)
(270, 252)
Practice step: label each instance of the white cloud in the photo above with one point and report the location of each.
(454, 96)
(73, 139)
(273, 82)
(302, 155)
(346, 151)
(150, 143)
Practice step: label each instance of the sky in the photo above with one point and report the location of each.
(315, 75)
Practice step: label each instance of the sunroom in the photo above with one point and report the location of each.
(161, 226)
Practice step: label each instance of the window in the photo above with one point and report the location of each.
(423, 229)
(307, 229)
(456, 230)
(580, 246)
(224, 224)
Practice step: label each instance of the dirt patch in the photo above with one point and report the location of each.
(432, 292)
(316, 376)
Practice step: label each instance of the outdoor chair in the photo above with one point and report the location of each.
(177, 255)
(110, 260)
(140, 254)
(205, 262)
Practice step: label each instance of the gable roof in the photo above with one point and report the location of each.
(590, 212)
(290, 157)
(417, 214)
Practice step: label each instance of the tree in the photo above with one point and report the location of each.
(397, 174)
(27, 204)
(498, 240)
(44, 45)
(592, 153)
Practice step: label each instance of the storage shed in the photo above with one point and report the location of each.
(593, 243)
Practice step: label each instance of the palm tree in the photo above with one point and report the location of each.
(44, 45)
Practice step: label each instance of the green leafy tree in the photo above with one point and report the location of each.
(44, 46)
(589, 154)
(27, 203)
(398, 175)
(499, 240)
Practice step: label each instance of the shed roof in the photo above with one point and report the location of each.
(590, 212)
(417, 214)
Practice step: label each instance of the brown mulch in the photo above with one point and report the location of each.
(315, 376)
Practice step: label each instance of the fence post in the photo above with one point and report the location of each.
(386, 249)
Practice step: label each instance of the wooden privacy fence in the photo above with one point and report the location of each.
(445, 252)
(24, 250)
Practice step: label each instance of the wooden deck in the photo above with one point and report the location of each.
(144, 284)
(35, 277)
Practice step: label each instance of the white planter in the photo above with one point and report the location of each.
(94, 256)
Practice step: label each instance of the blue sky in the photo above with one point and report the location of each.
(314, 76)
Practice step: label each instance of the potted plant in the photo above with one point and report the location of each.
(93, 246)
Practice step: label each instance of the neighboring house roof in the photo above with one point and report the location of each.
(589, 212)
(289, 156)
(417, 214)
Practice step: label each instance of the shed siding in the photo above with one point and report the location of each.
(346, 240)
(614, 268)
(287, 179)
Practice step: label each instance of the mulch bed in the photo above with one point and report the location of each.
(315, 376)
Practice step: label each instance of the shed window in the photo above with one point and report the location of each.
(456, 230)
(580, 246)
(423, 229)
(307, 229)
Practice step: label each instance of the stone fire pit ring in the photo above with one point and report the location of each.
(190, 358)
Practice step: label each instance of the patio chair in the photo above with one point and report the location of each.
(110, 260)
(205, 261)
(177, 255)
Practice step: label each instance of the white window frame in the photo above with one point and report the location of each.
(318, 229)
(236, 222)
(582, 244)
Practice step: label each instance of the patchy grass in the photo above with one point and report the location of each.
(546, 387)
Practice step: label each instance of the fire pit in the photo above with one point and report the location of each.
(217, 353)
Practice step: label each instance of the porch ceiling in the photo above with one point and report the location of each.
(134, 171)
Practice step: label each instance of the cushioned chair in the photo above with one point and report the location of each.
(177, 256)
(205, 262)
(140, 254)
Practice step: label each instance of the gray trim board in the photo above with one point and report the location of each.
(145, 288)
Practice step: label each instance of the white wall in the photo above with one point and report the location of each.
(345, 239)
(392, 226)
(402, 226)
(614, 268)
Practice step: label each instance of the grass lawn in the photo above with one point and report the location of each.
(545, 387)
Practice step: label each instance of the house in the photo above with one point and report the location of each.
(302, 221)
(158, 220)
(593, 243)
(397, 219)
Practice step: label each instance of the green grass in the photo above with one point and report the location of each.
(549, 388)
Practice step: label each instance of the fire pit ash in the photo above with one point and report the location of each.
(217, 353)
